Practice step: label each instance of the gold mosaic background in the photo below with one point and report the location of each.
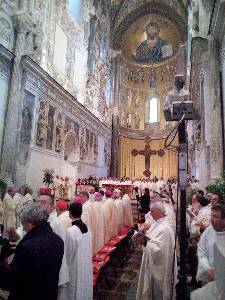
(135, 35)
(135, 87)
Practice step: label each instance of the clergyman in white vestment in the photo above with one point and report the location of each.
(127, 211)
(110, 206)
(155, 279)
(9, 209)
(18, 200)
(79, 257)
(63, 213)
(210, 236)
(119, 209)
(98, 223)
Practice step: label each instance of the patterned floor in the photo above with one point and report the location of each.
(125, 286)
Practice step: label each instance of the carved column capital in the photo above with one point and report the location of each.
(23, 22)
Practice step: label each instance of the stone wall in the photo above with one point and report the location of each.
(206, 142)
(75, 54)
(6, 58)
(56, 131)
(43, 122)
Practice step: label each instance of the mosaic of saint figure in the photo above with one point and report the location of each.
(154, 49)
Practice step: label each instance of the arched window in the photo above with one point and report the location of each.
(153, 110)
(75, 9)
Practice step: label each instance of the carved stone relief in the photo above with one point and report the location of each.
(107, 153)
(6, 31)
(83, 149)
(73, 136)
(50, 129)
(59, 133)
(95, 148)
(42, 124)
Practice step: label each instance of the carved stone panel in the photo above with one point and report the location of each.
(6, 31)
(95, 148)
(83, 149)
(42, 124)
(59, 133)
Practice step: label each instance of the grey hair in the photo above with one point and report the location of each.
(33, 213)
(159, 205)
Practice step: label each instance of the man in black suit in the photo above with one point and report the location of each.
(34, 271)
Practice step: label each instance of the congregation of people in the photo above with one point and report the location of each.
(50, 240)
(83, 224)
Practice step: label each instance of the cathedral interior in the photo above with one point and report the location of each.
(84, 83)
(84, 90)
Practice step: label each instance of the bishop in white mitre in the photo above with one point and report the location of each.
(98, 223)
(127, 211)
(79, 258)
(157, 261)
(119, 209)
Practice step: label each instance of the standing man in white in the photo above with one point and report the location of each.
(79, 257)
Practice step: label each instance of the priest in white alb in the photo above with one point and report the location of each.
(127, 210)
(68, 189)
(157, 268)
(56, 186)
(110, 206)
(160, 184)
(61, 207)
(9, 208)
(210, 236)
(18, 200)
(119, 210)
(98, 223)
(79, 258)
(28, 196)
(87, 210)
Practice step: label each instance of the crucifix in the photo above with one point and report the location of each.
(147, 152)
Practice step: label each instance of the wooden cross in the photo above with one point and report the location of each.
(147, 152)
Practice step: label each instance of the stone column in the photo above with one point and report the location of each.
(216, 146)
(115, 123)
(23, 25)
(222, 55)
